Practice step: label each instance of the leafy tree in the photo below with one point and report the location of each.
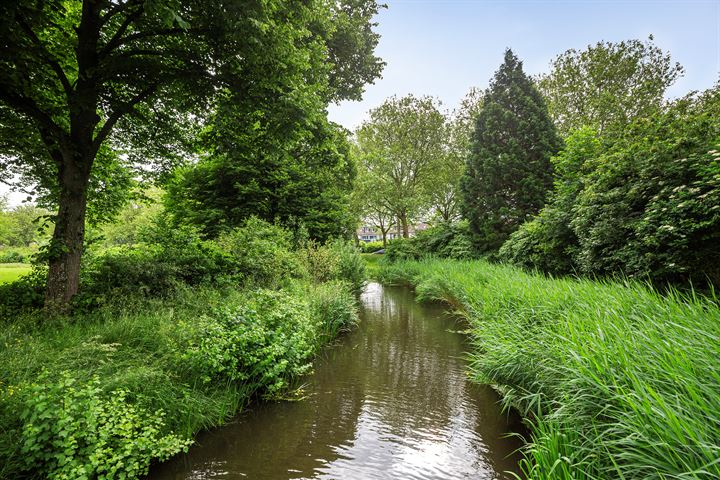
(22, 225)
(645, 204)
(651, 206)
(371, 204)
(508, 173)
(548, 242)
(608, 85)
(304, 178)
(401, 147)
(84, 80)
(444, 190)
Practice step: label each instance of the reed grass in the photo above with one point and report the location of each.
(615, 379)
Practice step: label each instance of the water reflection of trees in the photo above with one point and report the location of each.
(392, 401)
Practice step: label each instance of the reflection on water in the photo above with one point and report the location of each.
(391, 402)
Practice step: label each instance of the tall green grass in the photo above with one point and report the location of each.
(615, 379)
(158, 371)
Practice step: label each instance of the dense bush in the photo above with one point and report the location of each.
(23, 295)
(74, 430)
(16, 254)
(262, 252)
(175, 257)
(336, 260)
(148, 373)
(371, 247)
(645, 205)
(446, 240)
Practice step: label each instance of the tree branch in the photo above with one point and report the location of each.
(115, 41)
(28, 106)
(119, 7)
(119, 112)
(45, 54)
(148, 34)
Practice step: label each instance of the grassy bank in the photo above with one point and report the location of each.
(106, 393)
(616, 380)
(9, 272)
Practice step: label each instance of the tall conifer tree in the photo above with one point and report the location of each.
(508, 172)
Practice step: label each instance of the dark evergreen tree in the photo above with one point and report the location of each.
(508, 172)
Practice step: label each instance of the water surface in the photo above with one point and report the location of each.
(392, 401)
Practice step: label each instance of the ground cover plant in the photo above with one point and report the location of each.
(615, 379)
(166, 338)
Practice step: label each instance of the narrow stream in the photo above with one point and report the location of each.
(391, 402)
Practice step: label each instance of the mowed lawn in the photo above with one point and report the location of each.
(12, 271)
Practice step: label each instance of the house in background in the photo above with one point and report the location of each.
(368, 233)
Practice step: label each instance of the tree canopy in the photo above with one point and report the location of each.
(100, 88)
(607, 85)
(402, 147)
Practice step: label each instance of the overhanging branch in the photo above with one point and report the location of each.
(119, 112)
(47, 57)
(30, 108)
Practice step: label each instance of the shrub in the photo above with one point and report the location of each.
(16, 255)
(72, 431)
(336, 260)
(24, 294)
(644, 204)
(371, 247)
(446, 240)
(263, 342)
(401, 249)
(179, 258)
(262, 252)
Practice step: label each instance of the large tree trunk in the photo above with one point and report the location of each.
(405, 227)
(384, 237)
(67, 243)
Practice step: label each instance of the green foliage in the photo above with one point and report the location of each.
(617, 380)
(370, 247)
(265, 342)
(106, 92)
(548, 242)
(22, 226)
(337, 260)
(197, 356)
(644, 204)
(16, 255)
(74, 430)
(173, 257)
(23, 294)
(508, 174)
(400, 151)
(261, 251)
(451, 240)
(286, 171)
(608, 85)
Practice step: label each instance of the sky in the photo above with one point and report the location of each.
(443, 48)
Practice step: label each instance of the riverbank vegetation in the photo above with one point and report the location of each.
(168, 337)
(198, 212)
(615, 379)
(605, 194)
